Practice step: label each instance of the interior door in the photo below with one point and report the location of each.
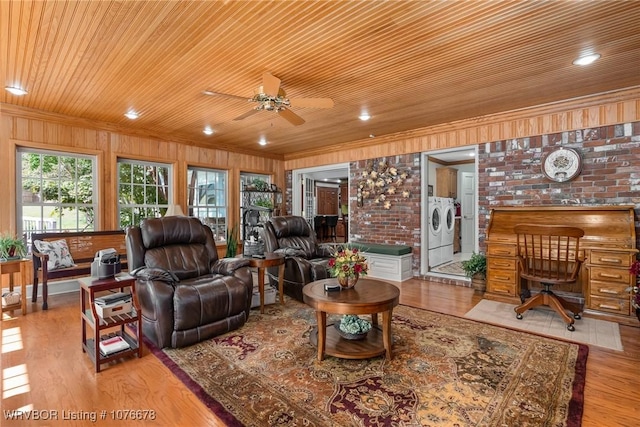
(468, 211)
(327, 200)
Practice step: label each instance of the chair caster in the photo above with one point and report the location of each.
(518, 316)
(577, 316)
(571, 328)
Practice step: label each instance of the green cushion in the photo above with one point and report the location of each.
(379, 248)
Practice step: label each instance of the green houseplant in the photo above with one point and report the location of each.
(12, 247)
(232, 242)
(476, 269)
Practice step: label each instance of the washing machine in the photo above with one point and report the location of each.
(435, 230)
(448, 229)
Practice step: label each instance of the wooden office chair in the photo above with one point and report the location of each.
(549, 255)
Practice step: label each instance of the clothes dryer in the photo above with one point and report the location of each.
(448, 229)
(435, 230)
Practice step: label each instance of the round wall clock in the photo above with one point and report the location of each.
(562, 164)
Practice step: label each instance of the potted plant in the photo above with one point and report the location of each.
(12, 247)
(476, 269)
(232, 242)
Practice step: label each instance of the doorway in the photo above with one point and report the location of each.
(449, 189)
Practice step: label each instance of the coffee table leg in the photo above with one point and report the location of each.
(261, 287)
(321, 320)
(281, 282)
(386, 332)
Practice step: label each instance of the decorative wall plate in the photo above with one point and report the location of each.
(562, 164)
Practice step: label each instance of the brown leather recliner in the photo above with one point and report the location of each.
(185, 292)
(306, 261)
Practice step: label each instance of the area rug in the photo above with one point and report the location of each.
(445, 371)
(543, 320)
(454, 268)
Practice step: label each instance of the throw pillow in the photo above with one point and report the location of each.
(58, 251)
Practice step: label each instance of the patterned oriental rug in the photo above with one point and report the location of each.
(445, 371)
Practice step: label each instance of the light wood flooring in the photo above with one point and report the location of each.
(44, 368)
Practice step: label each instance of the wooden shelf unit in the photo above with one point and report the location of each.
(109, 327)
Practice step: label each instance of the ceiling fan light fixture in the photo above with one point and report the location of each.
(131, 114)
(16, 90)
(586, 59)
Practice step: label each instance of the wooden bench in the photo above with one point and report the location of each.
(386, 261)
(83, 246)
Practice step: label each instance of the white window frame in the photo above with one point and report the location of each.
(215, 215)
(41, 223)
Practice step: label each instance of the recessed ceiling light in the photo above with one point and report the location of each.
(15, 90)
(262, 141)
(364, 117)
(587, 59)
(371, 135)
(207, 130)
(131, 115)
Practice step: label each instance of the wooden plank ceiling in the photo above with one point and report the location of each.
(408, 64)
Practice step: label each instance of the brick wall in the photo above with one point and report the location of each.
(510, 171)
(509, 175)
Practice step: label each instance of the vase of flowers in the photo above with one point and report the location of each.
(634, 270)
(348, 265)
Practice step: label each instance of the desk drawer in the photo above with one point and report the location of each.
(502, 282)
(611, 305)
(501, 250)
(610, 258)
(502, 264)
(610, 275)
(608, 289)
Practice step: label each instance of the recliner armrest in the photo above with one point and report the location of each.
(227, 266)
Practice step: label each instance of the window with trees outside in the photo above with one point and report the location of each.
(55, 192)
(143, 190)
(207, 199)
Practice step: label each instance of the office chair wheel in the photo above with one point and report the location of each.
(577, 316)
(518, 316)
(571, 328)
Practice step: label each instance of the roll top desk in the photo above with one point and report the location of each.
(608, 249)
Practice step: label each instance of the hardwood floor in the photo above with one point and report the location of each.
(44, 369)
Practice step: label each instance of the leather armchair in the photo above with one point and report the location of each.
(305, 260)
(186, 293)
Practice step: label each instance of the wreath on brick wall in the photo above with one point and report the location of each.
(379, 181)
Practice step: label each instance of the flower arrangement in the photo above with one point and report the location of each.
(348, 262)
(380, 181)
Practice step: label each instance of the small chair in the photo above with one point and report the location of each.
(332, 224)
(318, 227)
(549, 255)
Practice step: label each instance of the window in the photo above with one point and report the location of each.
(143, 190)
(56, 192)
(207, 199)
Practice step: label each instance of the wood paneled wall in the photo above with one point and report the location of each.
(51, 132)
(582, 113)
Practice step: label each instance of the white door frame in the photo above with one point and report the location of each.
(297, 183)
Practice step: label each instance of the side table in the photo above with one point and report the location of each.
(270, 260)
(12, 267)
(91, 287)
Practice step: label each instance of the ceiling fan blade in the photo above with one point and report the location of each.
(270, 84)
(226, 95)
(291, 117)
(247, 114)
(311, 102)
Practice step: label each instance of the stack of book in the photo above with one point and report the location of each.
(113, 345)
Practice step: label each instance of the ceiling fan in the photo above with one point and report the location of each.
(271, 97)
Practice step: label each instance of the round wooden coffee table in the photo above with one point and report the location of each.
(270, 259)
(368, 296)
